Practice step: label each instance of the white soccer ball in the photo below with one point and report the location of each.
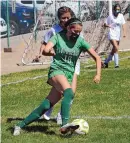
(83, 126)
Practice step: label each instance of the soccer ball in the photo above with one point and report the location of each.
(83, 126)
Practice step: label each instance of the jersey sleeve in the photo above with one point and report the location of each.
(84, 45)
(47, 36)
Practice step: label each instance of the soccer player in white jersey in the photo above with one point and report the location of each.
(115, 22)
(64, 14)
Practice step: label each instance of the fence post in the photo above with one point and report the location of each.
(110, 7)
(129, 12)
(8, 49)
(35, 19)
(79, 10)
(97, 9)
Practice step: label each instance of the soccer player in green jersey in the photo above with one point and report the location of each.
(64, 14)
(65, 47)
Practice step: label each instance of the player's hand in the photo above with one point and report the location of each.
(52, 52)
(97, 78)
(124, 35)
(36, 59)
(110, 26)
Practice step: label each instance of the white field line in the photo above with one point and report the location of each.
(123, 58)
(46, 75)
(42, 76)
(102, 117)
(19, 81)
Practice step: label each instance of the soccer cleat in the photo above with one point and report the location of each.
(70, 127)
(44, 116)
(59, 119)
(47, 114)
(116, 66)
(17, 130)
(105, 65)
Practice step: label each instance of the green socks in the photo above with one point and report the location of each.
(65, 105)
(45, 105)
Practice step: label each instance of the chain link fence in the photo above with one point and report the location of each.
(91, 13)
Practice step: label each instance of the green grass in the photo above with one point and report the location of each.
(110, 98)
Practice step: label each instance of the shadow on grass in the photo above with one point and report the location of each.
(43, 129)
(9, 120)
(36, 128)
(39, 128)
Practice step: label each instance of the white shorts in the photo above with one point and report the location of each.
(114, 37)
(77, 67)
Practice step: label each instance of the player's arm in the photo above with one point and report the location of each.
(42, 51)
(43, 45)
(48, 49)
(95, 56)
(36, 59)
(106, 23)
(97, 59)
(123, 26)
(124, 30)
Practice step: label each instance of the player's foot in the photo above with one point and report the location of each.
(102, 64)
(17, 130)
(59, 119)
(105, 65)
(47, 114)
(68, 128)
(44, 116)
(117, 66)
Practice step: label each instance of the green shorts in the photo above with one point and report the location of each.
(68, 75)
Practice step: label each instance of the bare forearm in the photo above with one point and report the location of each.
(41, 50)
(48, 49)
(98, 65)
(124, 29)
(105, 25)
(47, 54)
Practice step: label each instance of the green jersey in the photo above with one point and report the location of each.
(67, 52)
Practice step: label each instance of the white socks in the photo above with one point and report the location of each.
(116, 59)
(48, 113)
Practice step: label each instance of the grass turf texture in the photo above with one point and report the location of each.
(110, 98)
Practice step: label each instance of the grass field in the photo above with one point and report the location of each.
(105, 106)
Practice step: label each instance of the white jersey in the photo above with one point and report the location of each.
(115, 23)
(56, 29)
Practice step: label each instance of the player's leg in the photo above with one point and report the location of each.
(61, 83)
(56, 96)
(114, 49)
(44, 106)
(116, 55)
(73, 86)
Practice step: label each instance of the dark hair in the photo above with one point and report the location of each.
(115, 6)
(65, 9)
(73, 21)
